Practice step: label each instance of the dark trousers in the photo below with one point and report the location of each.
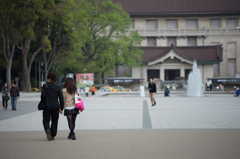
(4, 102)
(51, 115)
(86, 94)
(93, 93)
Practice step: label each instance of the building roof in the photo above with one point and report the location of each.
(207, 54)
(157, 7)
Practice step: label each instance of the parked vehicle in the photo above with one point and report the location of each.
(120, 89)
(105, 89)
(34, 89)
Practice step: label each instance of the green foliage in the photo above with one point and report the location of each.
(180, 78)
(76, 35)
(108, 43)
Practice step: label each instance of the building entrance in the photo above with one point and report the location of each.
(153, 74)
(171, 74)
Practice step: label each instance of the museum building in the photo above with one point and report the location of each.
(175, 33)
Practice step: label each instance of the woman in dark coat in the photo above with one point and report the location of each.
(5, 96)
(152, 91)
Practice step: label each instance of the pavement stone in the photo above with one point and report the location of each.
(127, 126)
(134, 112)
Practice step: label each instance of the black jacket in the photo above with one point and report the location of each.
(14, 92)
(4, 91)
(54, 92)
(152, 87)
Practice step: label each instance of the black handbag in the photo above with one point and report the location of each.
(42, 103)
(6, 97)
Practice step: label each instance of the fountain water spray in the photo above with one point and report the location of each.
(195, 82)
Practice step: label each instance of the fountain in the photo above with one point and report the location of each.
(194, 88)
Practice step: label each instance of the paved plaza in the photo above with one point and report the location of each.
(127, 126)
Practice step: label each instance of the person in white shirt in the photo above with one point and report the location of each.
(87, 90)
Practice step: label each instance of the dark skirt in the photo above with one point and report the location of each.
(71, 111)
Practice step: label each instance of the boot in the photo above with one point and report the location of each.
(70, 136)
(73, 136)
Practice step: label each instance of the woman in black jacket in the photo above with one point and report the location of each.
(152, 91)
(5, 96)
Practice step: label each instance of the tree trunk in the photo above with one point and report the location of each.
(45, 63)
(45, 71)
(25, 85)
(8, 73)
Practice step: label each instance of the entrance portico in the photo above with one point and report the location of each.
(171, 63)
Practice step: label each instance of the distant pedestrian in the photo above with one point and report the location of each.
(87, 90)
(237, 93)
(173, 86)
(152, 91)
(166, 92)
(70, 111)
(93, 90)
(221, 88)
(53, 108)
(14, 93)
(5, 96)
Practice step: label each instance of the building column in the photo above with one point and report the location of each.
(182, 71)
(162, 72)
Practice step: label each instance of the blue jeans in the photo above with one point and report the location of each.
(14, 102)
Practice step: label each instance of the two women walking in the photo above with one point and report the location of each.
(53, 107)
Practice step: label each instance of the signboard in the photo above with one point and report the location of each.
(84, 79)
(122, 81)
(226, 80)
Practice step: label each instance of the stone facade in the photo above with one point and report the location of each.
(226, 34)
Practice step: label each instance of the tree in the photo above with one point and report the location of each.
(109, 42)
(25, 33)
(7, 19)
(60, 16)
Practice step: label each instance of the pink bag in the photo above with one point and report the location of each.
(79, 103)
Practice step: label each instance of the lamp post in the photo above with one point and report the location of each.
(39, 71)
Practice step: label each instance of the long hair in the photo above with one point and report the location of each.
(5, 84)
(70, 85)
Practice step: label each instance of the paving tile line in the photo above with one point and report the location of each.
(147, 124)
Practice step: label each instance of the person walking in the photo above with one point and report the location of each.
(5, 96)
(14, 93)
(52, 109)
(70, 111)
(173, 86)
(87, 90)
(152, 91)
(93, 90)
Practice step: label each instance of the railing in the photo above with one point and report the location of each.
(186, 32)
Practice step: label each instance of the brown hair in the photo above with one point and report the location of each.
(70, 85)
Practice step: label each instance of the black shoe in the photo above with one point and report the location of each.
(49, 136)
(152, 104)
(73, 136)
(70, 136)
(155, 103)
